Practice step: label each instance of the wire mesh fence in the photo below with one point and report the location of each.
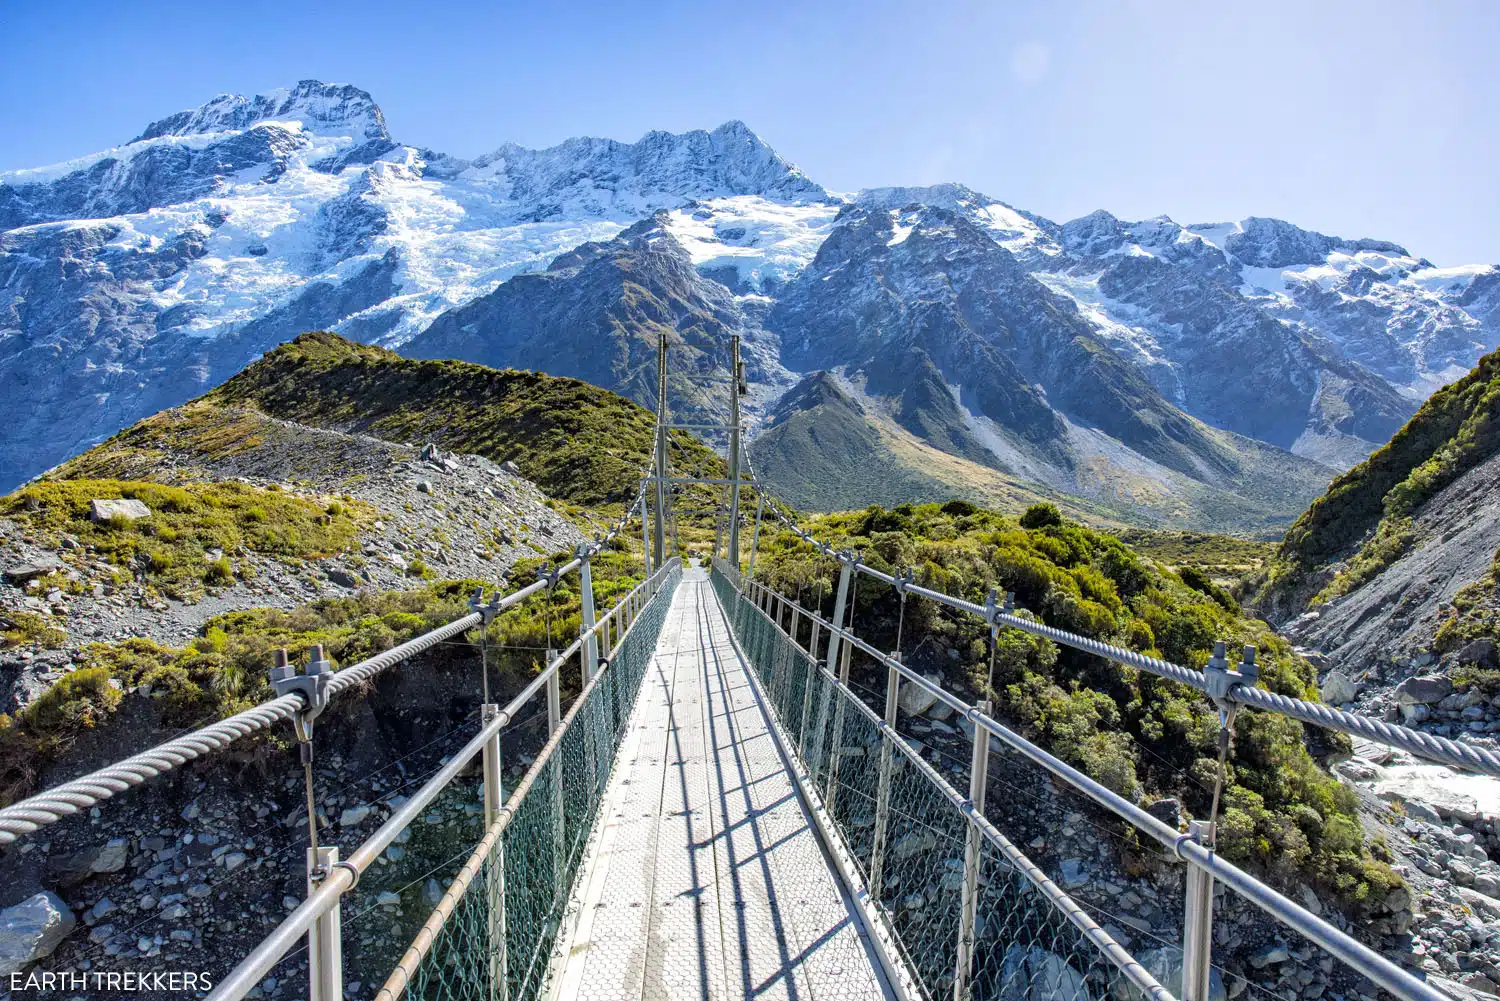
(908, 833)
(493, 935)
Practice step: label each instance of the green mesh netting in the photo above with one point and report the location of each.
(520, 892)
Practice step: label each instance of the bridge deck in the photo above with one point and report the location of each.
(706, 879)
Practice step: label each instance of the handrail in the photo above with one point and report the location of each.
(1355, 954)
(75, 795)
(1425, 745)
(345, 875)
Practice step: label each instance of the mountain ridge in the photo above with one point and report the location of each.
(224, 230)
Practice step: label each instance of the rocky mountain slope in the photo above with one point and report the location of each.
(1118, 359)
(1393, 569)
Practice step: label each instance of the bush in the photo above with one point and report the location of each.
(1041, 516)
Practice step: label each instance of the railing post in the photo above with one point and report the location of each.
(840, 599)
(554, 720)
(645, 535)
(325, 950)
(494, 791)
(662, 486)
(590, 652)
(839, 666)
(1198, 921)
(883, 790)
(979, 769)
(760, 502)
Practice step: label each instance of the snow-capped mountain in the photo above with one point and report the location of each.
(134, 278)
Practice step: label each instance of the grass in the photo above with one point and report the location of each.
(1474, 614)
(578, 442)
(29, 629)
(173, 548)
(1282, 813)
(225, 669)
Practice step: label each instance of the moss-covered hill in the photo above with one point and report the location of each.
(576, 441)
(1364, 522)
(1144, 737)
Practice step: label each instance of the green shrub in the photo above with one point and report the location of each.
(1041, 516)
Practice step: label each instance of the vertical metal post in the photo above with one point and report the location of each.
(718, 532)
(1198, 921)
(494, 798)
(883, 789)
(979, 769)
(840, 667)
(325, 949)
(494, 791)
(554, 720)
(590, 652)
(736, 387)
(840, 599)
(645, 534)
(760, 503)
(661, 449)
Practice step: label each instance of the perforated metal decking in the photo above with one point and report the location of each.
(706, 879)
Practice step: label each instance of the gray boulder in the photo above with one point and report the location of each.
(343, 578)
(1165, 964)
(1480, 651)
(1424, 691)
(1038, 975)
(120, 507)
(30, 930)
(915, 700)
(1168, 811)
(1339, 688)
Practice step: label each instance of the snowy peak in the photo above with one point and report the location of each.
(1016, 231)
(1273, 243)
(323, 108)
(588, 174)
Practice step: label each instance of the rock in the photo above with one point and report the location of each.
(913, 842)
(1038, 975)
(1357, 770)
(1310, 900)
(511, 468)
(111, 857)
(30, 930)
(424, 486)
(1168, 811)
(1480, 651)
(1165, 964)
(19, 575)
(1338, 688)
(343, 578)
(354, 815)
(234, 860)
(916, 700)
(388, 899)
(1073, 874)
(432, 893)
(1425, 690)
(1398, 899)
(120, 507)
(1268, 954)
(1462, 873)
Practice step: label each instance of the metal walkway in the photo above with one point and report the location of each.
(706, 878)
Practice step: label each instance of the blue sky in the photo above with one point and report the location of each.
(1360, 119)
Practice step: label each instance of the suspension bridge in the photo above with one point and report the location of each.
(719, 814)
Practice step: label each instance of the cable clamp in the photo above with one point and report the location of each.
(311, 684)
(902, 581)
(353, 871)
(1177, 845)
(486, 612)
(1219, 680)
